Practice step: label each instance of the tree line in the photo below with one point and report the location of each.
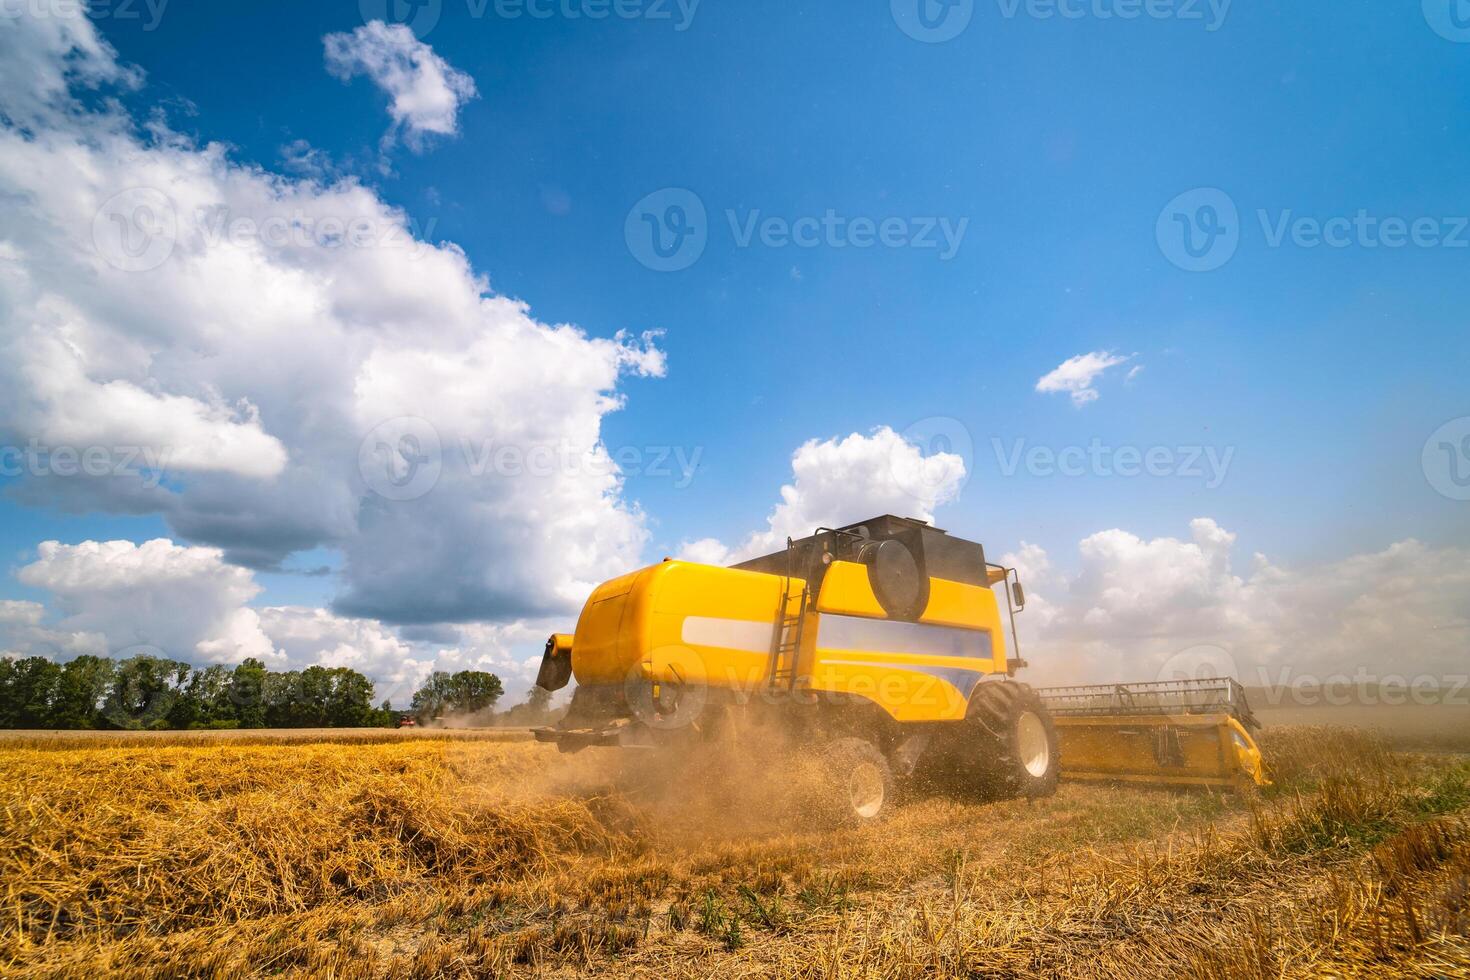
(150, 692)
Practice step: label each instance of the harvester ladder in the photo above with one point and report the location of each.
(790, 627)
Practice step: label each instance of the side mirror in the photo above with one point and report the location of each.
(1019, 595)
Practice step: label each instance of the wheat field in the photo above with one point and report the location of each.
(469, 857)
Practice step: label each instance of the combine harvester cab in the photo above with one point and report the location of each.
(1185, 733)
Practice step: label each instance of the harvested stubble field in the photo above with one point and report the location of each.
(414, 857)
(253, 736)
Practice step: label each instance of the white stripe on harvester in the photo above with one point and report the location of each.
(732, 634)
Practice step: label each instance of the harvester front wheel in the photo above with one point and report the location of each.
(859, 780)
(1020, 755)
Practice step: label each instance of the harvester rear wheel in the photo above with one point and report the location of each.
(859, 781)
(1017, 741)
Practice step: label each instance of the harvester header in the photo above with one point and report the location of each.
(1195, 732)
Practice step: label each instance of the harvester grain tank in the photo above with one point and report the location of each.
(881, 646)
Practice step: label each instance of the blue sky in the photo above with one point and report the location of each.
(1060, 141)
(1056, 141)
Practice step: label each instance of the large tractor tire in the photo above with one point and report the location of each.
(858, 783)
(1015, 741)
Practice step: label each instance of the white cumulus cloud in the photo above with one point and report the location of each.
(253, 331)
(706, 551)
(1134, 605)
(182, 600)
(843, 480)
(1076, 375)
(424, 90)
(165, 599)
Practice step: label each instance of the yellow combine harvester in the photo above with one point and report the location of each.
(882, 645)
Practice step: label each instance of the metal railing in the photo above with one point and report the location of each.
(1210, 695)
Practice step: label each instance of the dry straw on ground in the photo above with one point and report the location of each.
(455, 857)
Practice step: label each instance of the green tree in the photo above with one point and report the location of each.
(467, 692)
(432, 700)
(350, 703)
(154, 692)
(144, 690)
(204, 701)
(384, 716)
(475, 691)
(282, 701)
(27, 691)
(313, 692)
(247, 693)
(80, 690)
